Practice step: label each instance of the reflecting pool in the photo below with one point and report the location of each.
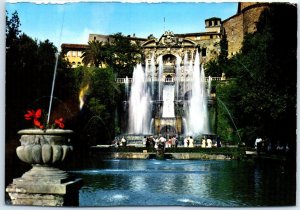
(186, 183)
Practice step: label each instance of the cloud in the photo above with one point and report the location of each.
(75, 37)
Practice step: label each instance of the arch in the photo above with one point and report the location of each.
(168, 130)
(169, 59)
(148, 42)
(169, 78)
(162, 55)
(190, 41)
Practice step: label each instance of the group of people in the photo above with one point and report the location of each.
(205, 142)
(188, 141)
(120, 142)
(265, 145)
(160, 142)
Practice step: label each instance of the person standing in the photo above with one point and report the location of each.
(185, 142)
(209, 143)
(203, 142)
(191, 142)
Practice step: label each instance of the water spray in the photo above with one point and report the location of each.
(230, 118)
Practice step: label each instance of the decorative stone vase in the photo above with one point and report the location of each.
(44, 147)
(44, 184)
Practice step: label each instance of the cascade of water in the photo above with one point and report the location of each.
(190, 72)
(152, 70)
(151, 129)
(209, 86)
(160, 75)
(139, 103)
(126, 88)
(198, 115)
(185, 67)
(168, 98)
(184, 123)
(177, 76)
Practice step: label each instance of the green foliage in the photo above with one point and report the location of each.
(126, 55)
(120, 54)
(225, 118)
(216, 67)
(29, 73)
(100, 103)
(213, 69)
(262, 97)
(94, 54)
(12, 28)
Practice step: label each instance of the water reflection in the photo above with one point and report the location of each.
(191, 183)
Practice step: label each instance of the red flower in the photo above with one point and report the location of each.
(38, 124)
(59, 122)
(31, 114)
(37, 118)
(34, 115)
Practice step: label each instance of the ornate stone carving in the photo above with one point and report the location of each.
(169, 39)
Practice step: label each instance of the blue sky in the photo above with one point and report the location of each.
(72, 22)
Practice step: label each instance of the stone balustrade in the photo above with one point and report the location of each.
(123, 80)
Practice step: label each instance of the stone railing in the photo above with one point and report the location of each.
(123, 80)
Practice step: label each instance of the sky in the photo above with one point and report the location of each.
(73, 22)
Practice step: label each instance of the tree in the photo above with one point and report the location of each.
(265, 71)
(100, 103)
(12, 28)
(29, 73)
(215, 67)
(122, 55)
(94, 54)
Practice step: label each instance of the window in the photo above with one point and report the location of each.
(211, 36)
(68, 54)
(74, 53)
(79, 53)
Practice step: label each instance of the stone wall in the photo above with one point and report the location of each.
(251, 17)
(234, 30)
(243, 22)
(244, 5)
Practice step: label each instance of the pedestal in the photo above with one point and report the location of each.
(45, 186)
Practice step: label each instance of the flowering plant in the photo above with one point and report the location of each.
(40, 121)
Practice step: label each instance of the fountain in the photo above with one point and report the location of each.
(152, 103)
(168, 101)
(152, 70)
(160, 74)
(126, 87)
(139, 103)
(197, 113)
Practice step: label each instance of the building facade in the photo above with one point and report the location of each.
(73, 52)
(170, 43)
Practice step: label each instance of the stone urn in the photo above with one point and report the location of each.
(44, 184)
(44, 147)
